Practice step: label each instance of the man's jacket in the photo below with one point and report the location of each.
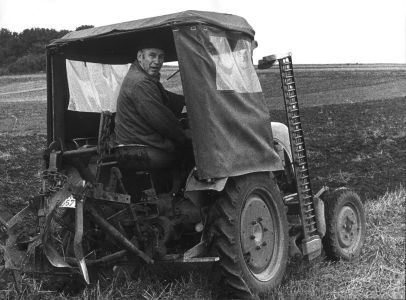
(147, 113)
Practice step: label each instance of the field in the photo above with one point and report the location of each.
(355, 126)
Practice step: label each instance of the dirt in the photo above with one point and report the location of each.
(20, 166)
(359, 145)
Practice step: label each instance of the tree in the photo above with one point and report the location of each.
(30, 63)
(83, 27)
(25, 52)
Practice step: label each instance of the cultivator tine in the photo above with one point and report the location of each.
(77, 242)
(54, 258)
(17, 218)
(17, 280)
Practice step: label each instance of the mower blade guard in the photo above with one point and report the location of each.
(54, 258)
(77, 242)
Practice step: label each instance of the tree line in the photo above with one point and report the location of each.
(23, 53)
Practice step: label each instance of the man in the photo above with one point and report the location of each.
(148, 114)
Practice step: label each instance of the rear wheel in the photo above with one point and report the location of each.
(345, 225)
(252, 235)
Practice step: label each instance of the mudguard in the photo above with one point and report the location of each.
(280, 134)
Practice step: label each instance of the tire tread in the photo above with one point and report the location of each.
(225, 230)
(333, 203)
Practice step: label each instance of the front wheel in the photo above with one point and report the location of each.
(252, 234)
(345, 225)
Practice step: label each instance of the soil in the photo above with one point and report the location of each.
(359, 145)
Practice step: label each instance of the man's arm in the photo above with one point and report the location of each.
(156, 113)
(174, 101)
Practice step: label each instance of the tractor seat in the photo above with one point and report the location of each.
(139, 157)
(131, 157)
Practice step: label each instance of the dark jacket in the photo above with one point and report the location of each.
(147, 113)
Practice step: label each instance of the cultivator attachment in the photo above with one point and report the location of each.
(20, 241)
(311, 242)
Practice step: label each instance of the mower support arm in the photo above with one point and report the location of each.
(128, 245)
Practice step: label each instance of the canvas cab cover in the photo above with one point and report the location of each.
(226, 108)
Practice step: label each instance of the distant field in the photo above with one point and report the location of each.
(355, 127)
(336, 86)
(23, 88)
(350, 67)
(316, 84)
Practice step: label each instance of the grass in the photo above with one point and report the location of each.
(378, 274)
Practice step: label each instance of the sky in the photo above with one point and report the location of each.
(315, 31)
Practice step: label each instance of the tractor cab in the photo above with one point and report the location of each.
(224, 101)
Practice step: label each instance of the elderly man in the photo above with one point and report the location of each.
(148, 114)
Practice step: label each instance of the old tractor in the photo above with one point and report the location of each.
(247, 205)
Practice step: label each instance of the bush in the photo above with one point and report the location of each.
(30, 63)
(4, 71)
(25, 52)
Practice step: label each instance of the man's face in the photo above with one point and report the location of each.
(151, 60)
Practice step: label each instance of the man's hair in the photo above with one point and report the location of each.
(142, 51)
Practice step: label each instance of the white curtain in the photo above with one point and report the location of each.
(234, 68)
(94, 87)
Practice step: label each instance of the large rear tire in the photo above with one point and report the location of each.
(252, 235)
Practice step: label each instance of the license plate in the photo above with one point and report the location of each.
(69, 202)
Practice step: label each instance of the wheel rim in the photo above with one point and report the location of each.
(260, 235)
(349, 228)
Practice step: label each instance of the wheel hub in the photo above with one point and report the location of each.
(257, 234)
(348, 228)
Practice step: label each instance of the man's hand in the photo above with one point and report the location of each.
(188, 133)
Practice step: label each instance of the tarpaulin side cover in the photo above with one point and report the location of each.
(228, 117)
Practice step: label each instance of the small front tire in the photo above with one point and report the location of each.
(345, 225)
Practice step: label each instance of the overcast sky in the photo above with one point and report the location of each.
(315, 31)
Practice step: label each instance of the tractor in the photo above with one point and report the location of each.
(247, 205)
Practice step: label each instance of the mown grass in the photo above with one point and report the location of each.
(378, 274)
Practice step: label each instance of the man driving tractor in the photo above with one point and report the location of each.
(148, 114)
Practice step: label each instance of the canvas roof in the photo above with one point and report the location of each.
(225, 21)
(118, 43)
